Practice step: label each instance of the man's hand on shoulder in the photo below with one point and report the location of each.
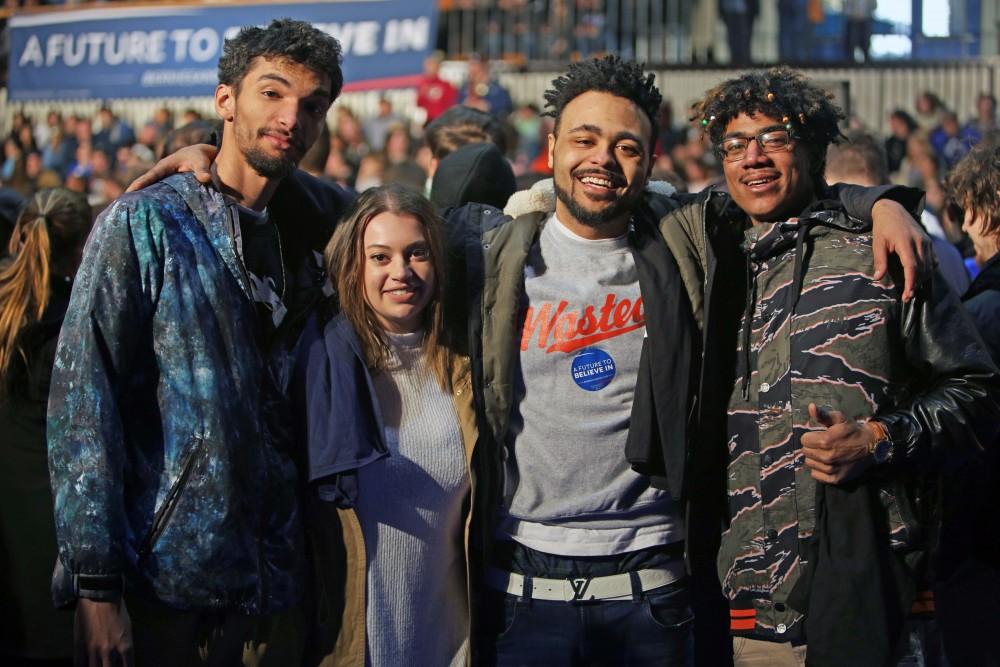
(196, 159)
(102, 634)
(840, 452)
(894, 231)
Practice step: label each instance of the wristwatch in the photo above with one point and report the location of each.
(881, 449)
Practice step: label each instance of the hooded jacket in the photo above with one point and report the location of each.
(490, 250)
(852, 345)
(474, 173)
(169, 428)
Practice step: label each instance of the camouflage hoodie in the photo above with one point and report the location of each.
(817, 328)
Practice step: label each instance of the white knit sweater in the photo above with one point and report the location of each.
(410, 508)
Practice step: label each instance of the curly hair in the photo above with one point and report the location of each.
(780, 93)
(289, 39)
(974, 183)
(610, 74)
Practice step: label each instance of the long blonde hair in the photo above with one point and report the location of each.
(345, 264)
(47, 234)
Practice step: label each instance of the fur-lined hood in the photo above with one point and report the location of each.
(541, 197)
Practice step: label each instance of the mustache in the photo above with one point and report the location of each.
(290, 137)
(616, 179)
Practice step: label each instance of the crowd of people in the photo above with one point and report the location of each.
(593, 387)
(101, 156)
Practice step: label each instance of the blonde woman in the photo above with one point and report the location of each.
(389, 423)
(34, 291)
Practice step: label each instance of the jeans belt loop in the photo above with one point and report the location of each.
(637, 593)
(526, 590)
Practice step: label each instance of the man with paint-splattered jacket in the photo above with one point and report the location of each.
(846, 401)
(170, 447)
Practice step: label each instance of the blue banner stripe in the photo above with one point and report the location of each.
(174, 51)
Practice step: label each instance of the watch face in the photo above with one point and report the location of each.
(883, 451)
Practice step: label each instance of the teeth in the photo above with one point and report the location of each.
(759, 181)
(400, 292)
(595, 180)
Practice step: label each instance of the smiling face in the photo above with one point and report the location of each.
(601, 158)
(274, 114)
(768, 186)
(398, 271)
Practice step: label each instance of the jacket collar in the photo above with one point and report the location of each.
(210, 208)
(987, 279)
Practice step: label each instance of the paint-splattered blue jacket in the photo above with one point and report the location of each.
(169, 449)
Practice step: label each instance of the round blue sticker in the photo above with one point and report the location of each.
(593, 369)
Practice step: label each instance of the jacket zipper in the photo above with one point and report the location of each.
(162, 517)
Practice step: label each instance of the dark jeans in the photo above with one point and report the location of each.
(655, 628)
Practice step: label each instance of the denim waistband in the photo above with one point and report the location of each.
(515, 557)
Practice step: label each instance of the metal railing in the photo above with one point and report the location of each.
(872, 91)
(531, 30)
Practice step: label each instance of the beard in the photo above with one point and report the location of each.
(268, 166)
(613, 211)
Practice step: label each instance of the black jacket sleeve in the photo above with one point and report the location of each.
(954, 413)
(858, 201)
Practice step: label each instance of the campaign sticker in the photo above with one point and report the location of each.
(593, 369)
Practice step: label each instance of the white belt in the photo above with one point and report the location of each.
(612, 587)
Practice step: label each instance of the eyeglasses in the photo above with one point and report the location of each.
(771, 140)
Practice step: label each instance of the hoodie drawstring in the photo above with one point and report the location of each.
(751, 297)
(795, 289)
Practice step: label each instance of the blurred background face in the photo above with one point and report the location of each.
(949, 123)
(397, 145)
(987, 107)
(431, 67)
(33, 165)
(479, 71)
(898, 127)
(985, 243)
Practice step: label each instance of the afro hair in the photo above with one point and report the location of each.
(610, 74)
(780, 93)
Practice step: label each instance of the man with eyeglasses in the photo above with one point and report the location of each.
(844, 400)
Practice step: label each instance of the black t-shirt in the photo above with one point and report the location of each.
(260, 248)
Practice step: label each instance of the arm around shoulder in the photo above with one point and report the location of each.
(955, 413)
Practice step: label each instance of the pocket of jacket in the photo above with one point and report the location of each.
(161, 519)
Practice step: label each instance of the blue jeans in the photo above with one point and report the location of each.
(652, 630)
